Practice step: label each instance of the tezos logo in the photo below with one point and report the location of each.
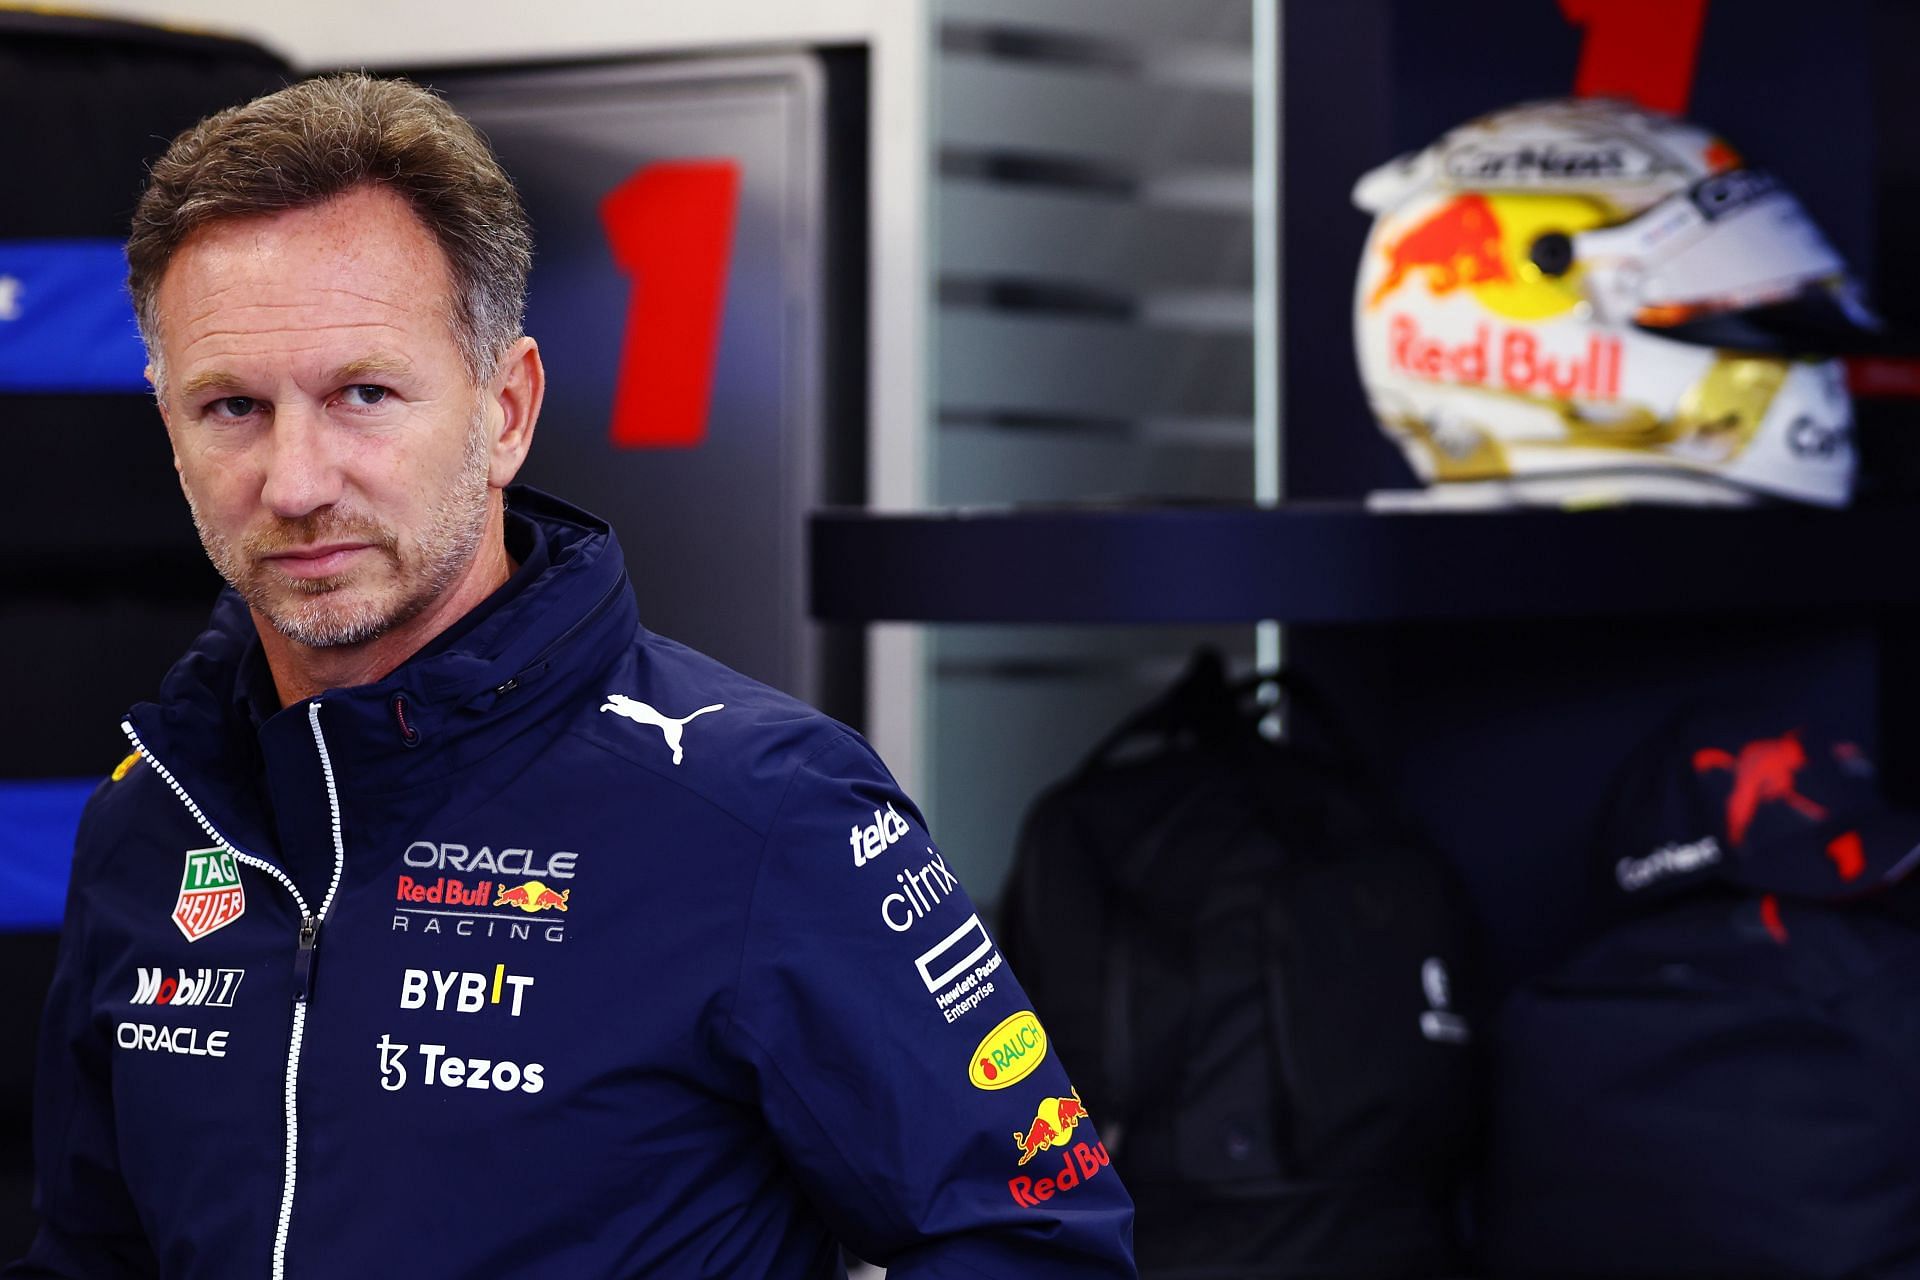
(438, 1067)
(1009, 1053)
(874, 839)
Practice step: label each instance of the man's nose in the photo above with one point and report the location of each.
(303, 468)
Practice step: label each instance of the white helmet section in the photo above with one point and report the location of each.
(1513, 294)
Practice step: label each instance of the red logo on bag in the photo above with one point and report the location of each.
(1763, 773)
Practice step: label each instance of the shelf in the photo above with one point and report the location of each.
(1339, 563)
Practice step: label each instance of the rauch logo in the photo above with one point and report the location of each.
(1010, 1052)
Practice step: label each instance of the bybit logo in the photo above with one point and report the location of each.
(462, 990)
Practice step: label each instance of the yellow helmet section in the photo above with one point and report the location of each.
(1523, 291)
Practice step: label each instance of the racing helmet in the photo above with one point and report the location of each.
(1582, 300)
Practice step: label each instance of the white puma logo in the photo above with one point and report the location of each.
(640, 713)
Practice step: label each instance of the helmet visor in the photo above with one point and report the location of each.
(1734, 261)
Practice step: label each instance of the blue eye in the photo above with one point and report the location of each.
(365, 395)
(234, 406)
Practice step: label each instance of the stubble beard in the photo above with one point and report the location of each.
(326, 613)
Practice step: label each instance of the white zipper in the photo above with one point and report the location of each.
(310, 922)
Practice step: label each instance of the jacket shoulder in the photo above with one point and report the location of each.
(691, 722)
(125, 803)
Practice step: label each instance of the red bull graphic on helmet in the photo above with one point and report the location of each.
(1763, 773)
(533, 896)
(1053, 1123)
(1458, 244)
(1508, 359)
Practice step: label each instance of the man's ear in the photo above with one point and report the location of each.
(514, 395)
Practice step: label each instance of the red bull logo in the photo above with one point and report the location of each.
(445, 890)
(1763, 773)
(1458, 244)
(1053, 1123)
(1079, 1164)
(533, 896)
(1511, 359)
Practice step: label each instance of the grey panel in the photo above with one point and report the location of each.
(1212, 20)
(992, 363)
(992, 105)
(714, 534)
(1023, 232)
(975, 464)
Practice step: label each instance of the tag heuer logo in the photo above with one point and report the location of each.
(210, 894)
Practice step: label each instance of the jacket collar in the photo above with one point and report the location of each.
(438, 714)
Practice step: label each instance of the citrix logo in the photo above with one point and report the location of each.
(920, 892)
(870, 841)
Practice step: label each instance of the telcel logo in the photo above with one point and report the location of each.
(874, 839)
(1010, 1053)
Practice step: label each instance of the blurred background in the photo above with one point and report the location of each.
(982, 254)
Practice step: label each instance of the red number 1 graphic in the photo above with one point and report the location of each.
(670, 226)
(1641, 50)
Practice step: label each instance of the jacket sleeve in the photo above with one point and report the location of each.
(88, 1230)
(899, 1063)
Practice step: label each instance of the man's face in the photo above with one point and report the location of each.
(333, 449)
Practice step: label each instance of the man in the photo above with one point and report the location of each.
(446, 922)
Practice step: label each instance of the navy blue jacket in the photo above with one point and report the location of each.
(563, 951)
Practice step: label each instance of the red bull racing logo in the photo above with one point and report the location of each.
(500, 910)
(532, 897)
(1053, 1123)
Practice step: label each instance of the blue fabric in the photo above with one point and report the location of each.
(631, 967)
(37, 823)
(66, 322)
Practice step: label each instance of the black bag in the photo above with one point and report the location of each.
(1724, 1088)
(1247, 964)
